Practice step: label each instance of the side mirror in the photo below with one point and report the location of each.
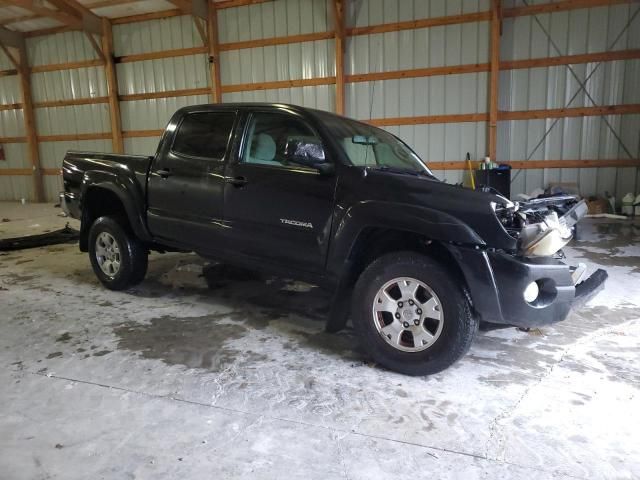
(308, 153)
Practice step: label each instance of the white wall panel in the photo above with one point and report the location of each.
(582, 85)
(73, 119)
(15, 154)
(69, 84)
(363, 13)
(15, 187)
(420, 48)
(321, 97)
(155, 113)
(175, 73)
(274, 19)
(141, 146)
(10, 89)
(281, 62)
(59, 48)
(155, 35)
(52, 153)
(11, 123)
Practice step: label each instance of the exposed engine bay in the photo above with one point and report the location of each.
(543, 225)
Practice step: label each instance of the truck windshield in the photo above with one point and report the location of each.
(369, 146)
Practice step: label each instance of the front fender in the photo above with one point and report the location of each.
(433, 224)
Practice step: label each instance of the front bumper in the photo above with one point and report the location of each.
(497, 281)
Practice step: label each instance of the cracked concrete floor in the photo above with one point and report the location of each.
(206, 372)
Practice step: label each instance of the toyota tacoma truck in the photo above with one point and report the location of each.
(414, 262)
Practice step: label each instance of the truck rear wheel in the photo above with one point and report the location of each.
(410, 315)
(118, 258)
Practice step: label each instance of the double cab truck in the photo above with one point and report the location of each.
(414, 262)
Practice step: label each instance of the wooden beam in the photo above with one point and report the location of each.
(178, 52)
(8, 73)
(168, 94)
(417, 73)
(339, 27)
(30, 124)
(494, 64)
(13, 139)
(143, 17)
(9, 38)
(52, 31)
(112, 87)
(26, 172)
(142, 133)
(269, 42)
(21, 18)
(197, 8)
(429, 119)
(571, 59)
(37, 8)
(74, 137)
(14, 61)
(95, 46)
(10, 106)
(303, 82)
(88, 20)
(214, 53)
(71, 102)
(421, 23)
(559, 6)
(67, 66)
(571, 112)
(238, 3)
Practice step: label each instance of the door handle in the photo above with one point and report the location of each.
(237, 181)
(164, 173)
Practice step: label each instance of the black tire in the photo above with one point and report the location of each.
(133, 254)
(459, 325)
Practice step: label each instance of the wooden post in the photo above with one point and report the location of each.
(214, 53)
(30, 123)
(112, 86)
(493, 78)
(338, 15)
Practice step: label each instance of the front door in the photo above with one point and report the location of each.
(186, 181)
(276, 210)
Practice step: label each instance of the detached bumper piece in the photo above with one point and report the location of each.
(524, 291)
(64, 235)
(590, 287)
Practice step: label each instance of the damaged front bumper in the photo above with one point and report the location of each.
(502, 288)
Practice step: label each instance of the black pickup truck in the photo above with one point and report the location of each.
(415, 262)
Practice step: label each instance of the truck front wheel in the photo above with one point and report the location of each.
(118, 258)
(410, 314)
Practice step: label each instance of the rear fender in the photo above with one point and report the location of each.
(128, 192)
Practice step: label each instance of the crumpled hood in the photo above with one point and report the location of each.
(470, 207)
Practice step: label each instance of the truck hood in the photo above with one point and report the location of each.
(539, 227)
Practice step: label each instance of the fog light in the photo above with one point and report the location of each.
(531, 292)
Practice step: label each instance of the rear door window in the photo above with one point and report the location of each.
(204, 135)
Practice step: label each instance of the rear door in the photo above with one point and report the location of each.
(186, 181)
(276, 211)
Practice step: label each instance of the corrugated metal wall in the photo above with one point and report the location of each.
(573, 32)
(436, 95)
(283, 62)
(561, 33)
(12, 125)
(159, 75)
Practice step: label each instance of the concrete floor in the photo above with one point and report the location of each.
(204, 372)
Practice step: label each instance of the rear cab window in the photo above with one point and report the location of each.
(204, 135)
